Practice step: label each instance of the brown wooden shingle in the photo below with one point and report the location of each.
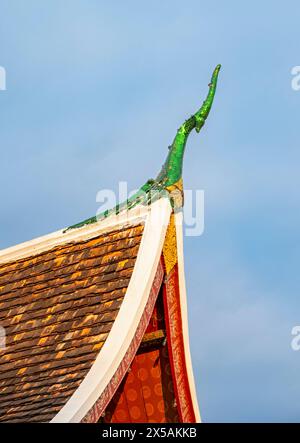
(57, 309)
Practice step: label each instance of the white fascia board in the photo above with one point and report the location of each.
(184, 313)
(127, 320)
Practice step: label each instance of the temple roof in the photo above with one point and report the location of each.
(71, 304)
(75, 305)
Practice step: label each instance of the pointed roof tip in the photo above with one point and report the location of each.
(202, 114)
(172, 168)
(215, 74)
(216, 70)
(171, 171)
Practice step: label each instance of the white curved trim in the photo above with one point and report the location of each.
(126, 323)
(184, 314)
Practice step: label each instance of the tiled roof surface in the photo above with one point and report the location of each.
(57, 309)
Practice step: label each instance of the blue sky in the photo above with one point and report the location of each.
(95, 93)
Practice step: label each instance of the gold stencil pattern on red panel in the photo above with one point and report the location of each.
(176, 347)
(170, 246)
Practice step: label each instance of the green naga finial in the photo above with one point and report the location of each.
(172, 169)
(170, 176)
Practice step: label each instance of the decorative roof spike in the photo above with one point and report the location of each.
(171, 171)
(169, 180)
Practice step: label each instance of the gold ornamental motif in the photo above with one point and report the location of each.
(170, 246)
(176, 194)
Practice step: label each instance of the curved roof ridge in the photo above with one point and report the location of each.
(170, 175)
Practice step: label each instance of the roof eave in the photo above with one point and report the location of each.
(126, 324)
